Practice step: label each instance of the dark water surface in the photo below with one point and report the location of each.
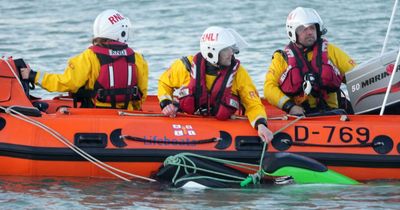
(74, 193)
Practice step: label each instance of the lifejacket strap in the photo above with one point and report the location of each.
(187, 63)
(118, 91)
(284, 55)
(32, 76)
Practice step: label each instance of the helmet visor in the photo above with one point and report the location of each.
(240, 42)
(301, 28)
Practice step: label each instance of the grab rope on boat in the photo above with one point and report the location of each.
(124, 113)
(110, 169)
(203, 141)
(372, 144)
(234, 117)
(240, 117)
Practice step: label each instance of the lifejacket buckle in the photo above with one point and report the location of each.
(101, 94)
(309, 82)
(133, 91)
(136, 93)
(307, 87)
(202, 111)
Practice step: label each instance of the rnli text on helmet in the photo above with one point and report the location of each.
(210, 37)
(115, 18)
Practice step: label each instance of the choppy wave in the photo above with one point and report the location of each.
(48, 33)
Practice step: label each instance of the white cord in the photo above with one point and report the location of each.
(389, 87)
(389, 27)
(13, 71)
(76, 149)
(124, 113)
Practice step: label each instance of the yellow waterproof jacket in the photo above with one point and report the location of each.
(178, 76)
(276, 97)
(83, 71)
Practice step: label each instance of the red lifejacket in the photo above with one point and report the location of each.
(117, 81)
(327, 76)
(219, 101)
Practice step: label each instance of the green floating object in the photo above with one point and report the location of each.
(305, 176)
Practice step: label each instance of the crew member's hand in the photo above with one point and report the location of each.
(296, 110)
(25, 72)
(170, 110)
(264, 133)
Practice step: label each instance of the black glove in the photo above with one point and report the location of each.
(32, 76)
(165, 103)
(288, 105)
(262, 121)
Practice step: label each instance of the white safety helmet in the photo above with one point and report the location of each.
(303, 17)
(113, 25)
(215, 38)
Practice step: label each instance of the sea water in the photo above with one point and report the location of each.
(47, 33)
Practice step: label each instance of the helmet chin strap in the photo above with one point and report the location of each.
(298, 44)
(222, 66)
(301, 46)
(211, 69)
(212, 64)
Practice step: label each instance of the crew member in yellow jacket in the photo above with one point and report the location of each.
(306, 76)
(213, 82)
(108, 74)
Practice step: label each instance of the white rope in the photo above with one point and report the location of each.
(390, 84)
(276, 132)
(13, 71)
(76, 149)
(182, 160)
(389, 27)
(233, 117)
(123, 113)
(247, 166)
(239, 117)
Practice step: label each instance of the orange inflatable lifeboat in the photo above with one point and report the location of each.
(55, 141)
